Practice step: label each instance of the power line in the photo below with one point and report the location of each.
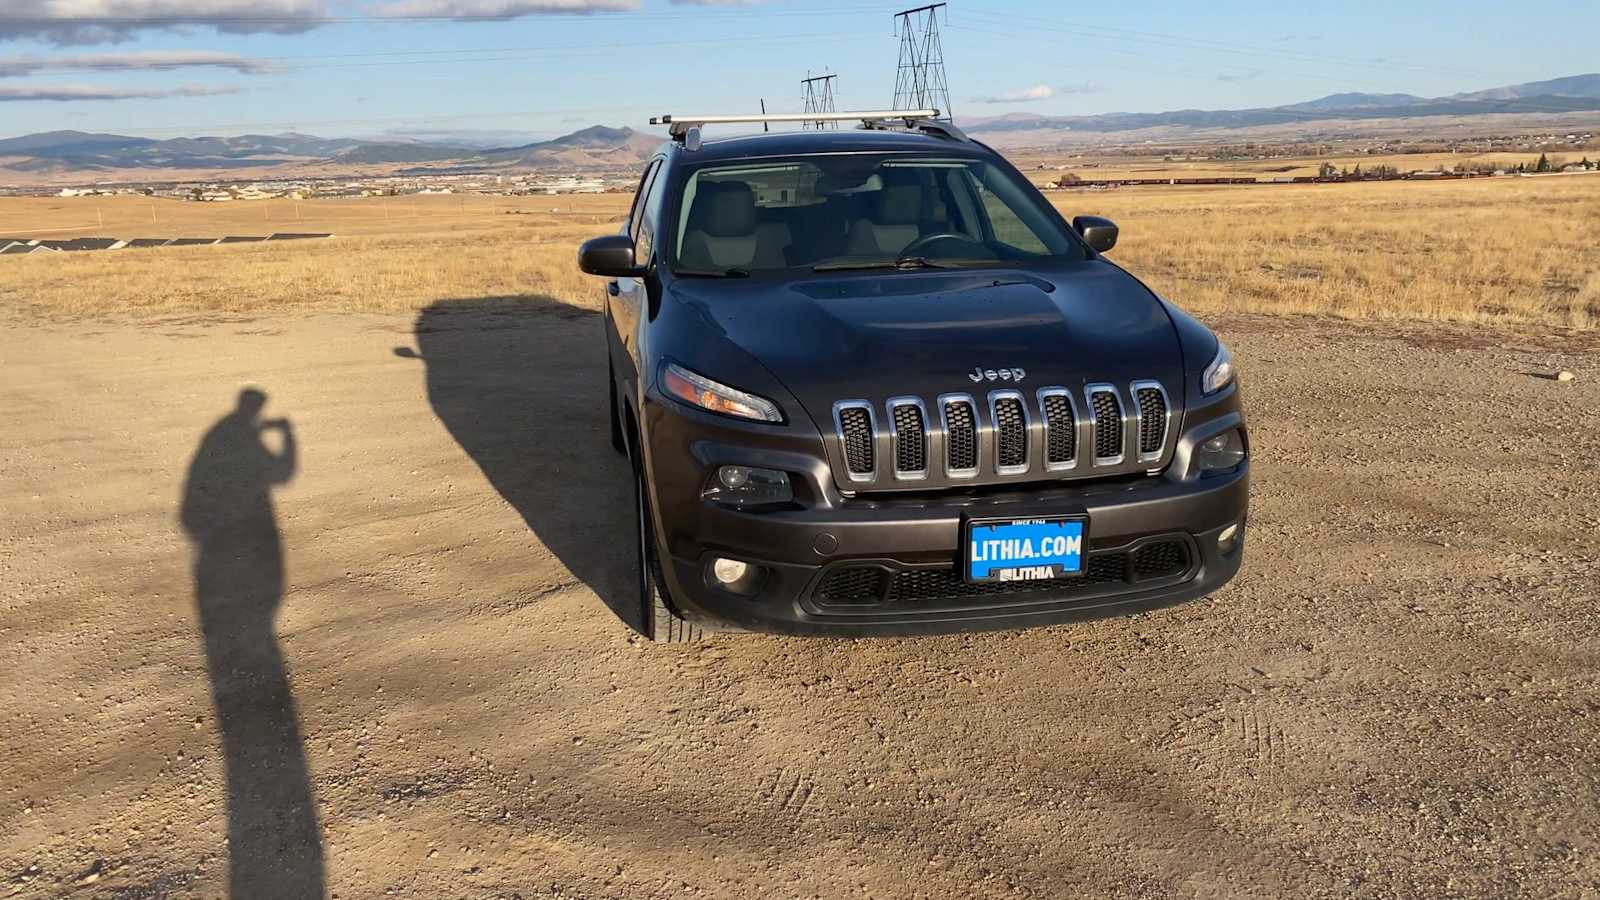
(381, 19)
(819, 98)
(919, 81)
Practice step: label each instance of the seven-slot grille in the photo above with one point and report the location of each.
(1007, 433)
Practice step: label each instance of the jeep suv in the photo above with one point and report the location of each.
(871, 382)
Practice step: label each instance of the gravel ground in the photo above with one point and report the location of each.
(408, 682)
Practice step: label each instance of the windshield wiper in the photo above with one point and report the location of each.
(903, 262)
(711, 273)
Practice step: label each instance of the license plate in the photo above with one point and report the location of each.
(1024, 549)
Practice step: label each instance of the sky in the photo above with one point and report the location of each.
(491, 69)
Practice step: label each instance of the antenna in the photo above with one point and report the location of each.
(819, 98)
(919, 83)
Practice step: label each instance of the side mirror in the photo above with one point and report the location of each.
(1101, 234)
(610, 256)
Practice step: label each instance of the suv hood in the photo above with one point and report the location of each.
(876, 335)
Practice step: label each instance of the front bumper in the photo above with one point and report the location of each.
(918, 535)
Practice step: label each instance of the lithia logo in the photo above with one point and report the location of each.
(981, 375)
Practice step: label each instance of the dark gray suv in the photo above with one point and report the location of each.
(871, 382)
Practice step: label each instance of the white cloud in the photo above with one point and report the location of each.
(109, 21)
(1251, 75)
(15, 66)
(72, 92)
(1040, 92)
(499, 9)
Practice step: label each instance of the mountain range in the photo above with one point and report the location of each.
(59, 156)
(77, 152)
(1577, 93)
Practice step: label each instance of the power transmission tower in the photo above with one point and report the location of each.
(919, 83)
(819, 98)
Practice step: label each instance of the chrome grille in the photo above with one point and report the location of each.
(910, 439)
(1060, 429)
(1107, 424)
(960, 437)
(1152, 402)
(1007, 434)
(856, 432)
(1010, 433)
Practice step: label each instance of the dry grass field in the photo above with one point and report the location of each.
(1509, 251)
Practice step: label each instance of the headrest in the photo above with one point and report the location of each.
(900, 204)
(726, 209)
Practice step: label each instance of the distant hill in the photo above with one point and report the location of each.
(1577, 93)
(60, 153)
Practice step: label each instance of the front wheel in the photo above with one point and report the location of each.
(662, 625)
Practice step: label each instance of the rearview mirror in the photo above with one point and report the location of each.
(1101, 234)
(610, 256)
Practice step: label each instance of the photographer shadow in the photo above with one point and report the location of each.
(274, 841)
(521, 386)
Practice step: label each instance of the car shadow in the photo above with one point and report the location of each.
(520, 383)
(274, 841)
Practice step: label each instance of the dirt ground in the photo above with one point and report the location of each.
(367, 651)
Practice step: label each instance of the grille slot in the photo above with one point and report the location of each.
(855, 430)
(1152, 401)
(910, 439)
(1010, 433)
(1107, 425)
(960, 438)
(1060, 430)
(872, 585)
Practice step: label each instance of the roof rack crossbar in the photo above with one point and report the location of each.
(679, 126)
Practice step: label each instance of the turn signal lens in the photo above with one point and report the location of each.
(1219, 374)
(698, 390)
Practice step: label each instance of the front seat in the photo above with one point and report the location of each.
(722, 233)
(895, 222)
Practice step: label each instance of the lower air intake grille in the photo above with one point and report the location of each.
(1061, 438)
(870, 585)
(1107, 425)
(855, 428)
(910, 440)
(1011, 433)
(1152, 420)
(961, 436)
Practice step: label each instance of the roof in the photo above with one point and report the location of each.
(844, 140)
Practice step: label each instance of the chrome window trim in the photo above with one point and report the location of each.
(994, 427)
(944, 401)
(1089, 392)
(1077, 424)
(1166, 425)
(890, 406)
(844, 454)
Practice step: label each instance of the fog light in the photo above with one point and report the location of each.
(729, 571)
(736, 577)
(1225, 539)
(748, 486)
(1220, 453)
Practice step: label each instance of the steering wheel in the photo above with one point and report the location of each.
(912, 248)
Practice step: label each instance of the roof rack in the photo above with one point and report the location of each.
(686, 129)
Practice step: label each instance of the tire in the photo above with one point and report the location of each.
(618, 442)
(664, 626)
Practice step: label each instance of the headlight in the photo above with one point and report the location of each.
(1220, 453)
(1219, 374)
(698, 390)
(748, 486)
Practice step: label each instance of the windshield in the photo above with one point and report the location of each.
(861, 211)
